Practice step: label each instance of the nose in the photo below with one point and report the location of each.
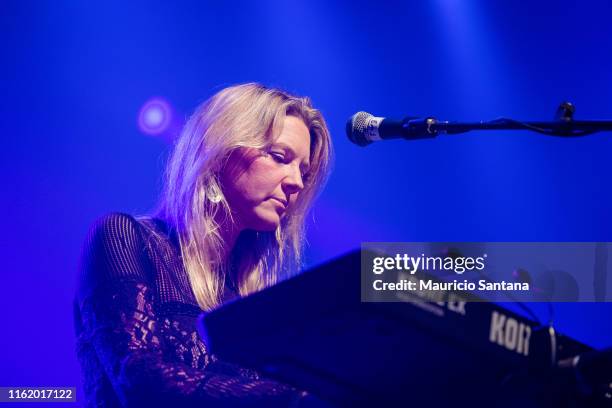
(293, 183)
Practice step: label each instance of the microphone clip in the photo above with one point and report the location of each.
(420, 128)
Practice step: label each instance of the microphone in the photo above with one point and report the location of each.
(364, 128)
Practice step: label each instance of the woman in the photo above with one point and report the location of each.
(239, 184)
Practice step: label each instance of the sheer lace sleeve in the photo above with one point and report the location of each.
(118, 318)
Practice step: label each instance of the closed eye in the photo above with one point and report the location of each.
(281, 158)
(278, 157)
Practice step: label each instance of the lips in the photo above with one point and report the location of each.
(280, 201)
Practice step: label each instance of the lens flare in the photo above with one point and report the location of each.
(154, 116)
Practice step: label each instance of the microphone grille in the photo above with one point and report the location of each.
(358, 128)
(360, 121)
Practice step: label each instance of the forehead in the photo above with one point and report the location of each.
(296, 136)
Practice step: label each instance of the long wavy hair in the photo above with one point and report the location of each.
(192, 202)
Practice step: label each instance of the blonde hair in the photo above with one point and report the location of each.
(192, 202)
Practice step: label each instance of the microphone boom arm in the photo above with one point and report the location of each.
(572, 128)
(564, 126)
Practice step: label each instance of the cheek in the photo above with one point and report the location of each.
(258, 181)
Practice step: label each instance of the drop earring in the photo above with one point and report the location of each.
(213, 194)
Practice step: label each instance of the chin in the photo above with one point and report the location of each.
(266, 226)
(266, 223)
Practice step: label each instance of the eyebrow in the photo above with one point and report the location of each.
(305, 166)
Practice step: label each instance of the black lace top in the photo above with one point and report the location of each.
(135, 317)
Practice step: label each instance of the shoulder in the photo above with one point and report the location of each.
(113, 250)
(114, 225)
(120, 232)
(113, 236)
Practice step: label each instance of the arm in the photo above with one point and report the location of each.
(117, 309)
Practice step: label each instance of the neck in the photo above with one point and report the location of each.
(229, 233)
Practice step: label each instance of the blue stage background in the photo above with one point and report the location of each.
(75, 74)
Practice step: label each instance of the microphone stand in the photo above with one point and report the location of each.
(563, 126)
